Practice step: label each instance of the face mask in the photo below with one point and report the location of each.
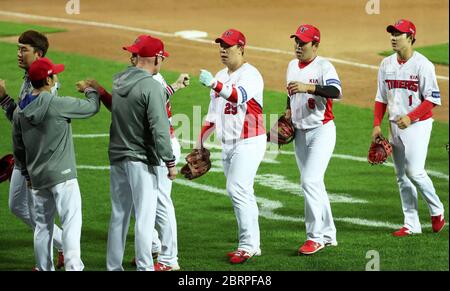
(55, 89)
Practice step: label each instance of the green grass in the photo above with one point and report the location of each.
(437, 54)
(206, 223)
(15, 28)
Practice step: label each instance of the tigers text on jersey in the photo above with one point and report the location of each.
(405, 86)
(308, 110)
(241, 119)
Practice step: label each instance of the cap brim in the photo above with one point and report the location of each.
(132, 49)
(58, 68)
(219, 40)
(302, 38)
(392, 28)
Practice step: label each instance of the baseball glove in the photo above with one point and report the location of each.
(282, 132)
(6, 167)
(198, 163)
(379, 151)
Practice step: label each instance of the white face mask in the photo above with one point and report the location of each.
(55, 88)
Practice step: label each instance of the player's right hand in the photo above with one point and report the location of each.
(81, 86)
(2, 88)
(376, 133)
(93, 83)
(172, 173)
(206, 78)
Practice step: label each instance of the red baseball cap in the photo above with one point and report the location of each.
(232, 37)
(307, 33)
(147, 46)
(42, 68)
(404, 26)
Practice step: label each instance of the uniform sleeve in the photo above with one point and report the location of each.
(249, 85)
(159, 123)
(331, 78)
(18, 147)
(74, 108)
(381, 87)
(429, 89)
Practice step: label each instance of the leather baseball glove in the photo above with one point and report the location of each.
(6, 167)
(379, 151)
(198, 163)
(282, 132)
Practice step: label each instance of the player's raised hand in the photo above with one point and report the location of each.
(181, 82)
(206, 78)
(299, 87)
(93, 83)
(81, 86)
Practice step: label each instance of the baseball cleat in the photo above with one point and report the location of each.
(402, 232)
(60, 262)
(437, 223)
(331, 243)
(241, 256)
(310, 247)
(231, 254)
(163, 267)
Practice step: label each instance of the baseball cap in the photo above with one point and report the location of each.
(307, 33)
(42, 68)
(147, 46)
(404, 26)
(232, 37)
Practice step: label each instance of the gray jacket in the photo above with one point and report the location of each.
(139, 126)
(42, 136)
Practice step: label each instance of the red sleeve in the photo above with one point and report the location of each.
(378, 114)
(207, 129)
(421, 110)
(105, 97)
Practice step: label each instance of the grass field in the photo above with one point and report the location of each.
(437, 54)
(15, 28)
(206, 224)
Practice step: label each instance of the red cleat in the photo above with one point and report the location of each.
(240, 256)
(163, 267)
(310, 247)
(60, 263)
(437, 223)
(402, 232)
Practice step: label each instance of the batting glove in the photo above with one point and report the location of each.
(207, 79)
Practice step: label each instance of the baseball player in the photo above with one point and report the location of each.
(407, 86)
(164, 245)
(44, 153)
(32, 45)
(312, 84)
(139, 140)
(235, 113)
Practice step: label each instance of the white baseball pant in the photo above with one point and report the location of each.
(133, 184)
(410, 148)
(313, 150)
(240, 164)
(65, 199)
(21, 205)
(165, 242)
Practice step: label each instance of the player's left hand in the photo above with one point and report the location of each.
(2, 88)
(206, 78)
(403, 122)
(299, 87)
(81, 86)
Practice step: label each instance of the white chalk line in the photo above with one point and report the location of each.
(173, 35)
(433, 173)
(267, 206)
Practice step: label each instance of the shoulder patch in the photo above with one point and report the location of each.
(436, 94)
(244, 94)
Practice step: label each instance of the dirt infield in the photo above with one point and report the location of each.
(348, 33)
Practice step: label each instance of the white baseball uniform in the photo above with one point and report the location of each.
(20, 201)
(239, 126)
(315, 138)
(165, 242)
(403, 87)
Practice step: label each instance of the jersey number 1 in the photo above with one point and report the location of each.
(230, 109)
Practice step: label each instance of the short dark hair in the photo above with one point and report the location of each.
(36, 40)
(315, 43)
(40, 83)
